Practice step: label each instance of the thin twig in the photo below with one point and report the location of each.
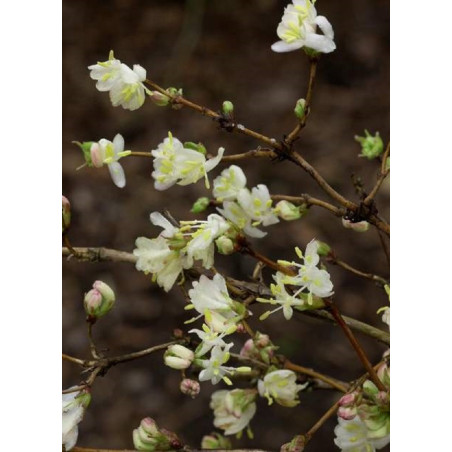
(383, 173)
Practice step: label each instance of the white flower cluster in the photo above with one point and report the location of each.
(125, 85)
(310, 282)
(175, 163)
(176, 249)
(298, 27)
(74, 405)
(246, 208)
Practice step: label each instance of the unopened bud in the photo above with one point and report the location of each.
(96, 155)
(370, 388)
(300, 108)
(287, 211)
(323, 249)
(371, 146)
(359, 226)
(198, 147)
(190, 387)
(149, 437)
(215, 441)
(178, 333)
(200, 205)
(262, 340)
(177, 93)
(160, 99)
(66, 213)
(383, 374)
(224, 245)
(349, 399)
(178, 357)
(228, 109)
(347, 412)
(99, 300)
(86, 149)
(296, 445)
(382, 398)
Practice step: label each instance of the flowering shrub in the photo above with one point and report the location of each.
(183, 256)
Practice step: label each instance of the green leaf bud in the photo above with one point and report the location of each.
(200, 205)
(300, 108)
(371, 146)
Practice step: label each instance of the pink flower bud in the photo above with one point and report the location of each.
(66, 213)
(262, 340)
(347, 413)
(348, 399)
(359, 226)
(149, 426)
(247, 349)
(96, 155)
(383, 398)
(190, 387)
(92, 302)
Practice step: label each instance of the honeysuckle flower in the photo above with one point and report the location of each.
(227, 185)
(74, 405)
(106, 73)
(201, 246)
(124, 84)
(260, 348)
(257, 204)
(178, 357)
(316, 281)
(149, 437)
(298, 27)
(210, 339)
(99, 300)
(353, 436)
(281, 297)
(156, 257)
(280, 386)
(173, 163)
(239, 217)
(169, 230)
(233, 410)
(107, 152)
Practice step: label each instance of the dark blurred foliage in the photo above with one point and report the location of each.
(217, 50)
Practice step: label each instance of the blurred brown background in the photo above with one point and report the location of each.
(216, 50)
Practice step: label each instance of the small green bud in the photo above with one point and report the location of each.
(66, 214)
(370, 388)
(323, 248)
(200, 205)
(86, 149)
(287, 211)
(215, 441)
(228, 108)
(224, 245)
(300, 108)
(371, 146)
(159, 99)
(99, 300)
(198, 147)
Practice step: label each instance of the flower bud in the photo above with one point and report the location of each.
(228, 109)
(287, 211)
(383, 374)
(200, 205)
(300, 108)
(99, 300)
(371, 146)
(225, 245)
(198, 147)
(149, 437)
(215, 441)
(323, 248)
(177, 93)
(160, 99)
(178, 357)
(190, 387)
(66, 213)
(297, 444)
(86, 149)
(349, 399)
(347, 412)
(370, 388)
(359, 226)
(96, 155)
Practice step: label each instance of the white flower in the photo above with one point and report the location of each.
(228, 183)
(74, 404)
(169, 231)
(106, 73)
(298, 26)
(213, 367)
(280, 386)
(124, 84)
(257, 204)
(107, 152)
(386, 314)
(236, 215)
(210, 295)
(287, 211)
(210, 339)
(281, 297)
(178, 357)
(233, 410)
(201, 246)
(175, 164)
(128, 91)
(156, 257)
(316, 281)
(352, 436)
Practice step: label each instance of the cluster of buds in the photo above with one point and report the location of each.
(178, 357)
(99, 300)
(149, 437)
(190, 387)
(371, 146)
(260, 348)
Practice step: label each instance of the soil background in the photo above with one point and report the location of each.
(217, 50)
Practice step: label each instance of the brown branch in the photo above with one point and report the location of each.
(292, 136)
(383, 173)
(258, 289)
(270, 153)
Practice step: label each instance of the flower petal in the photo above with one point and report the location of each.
(319, 43)
(325, 26)
(282, 46)
(117, 174)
